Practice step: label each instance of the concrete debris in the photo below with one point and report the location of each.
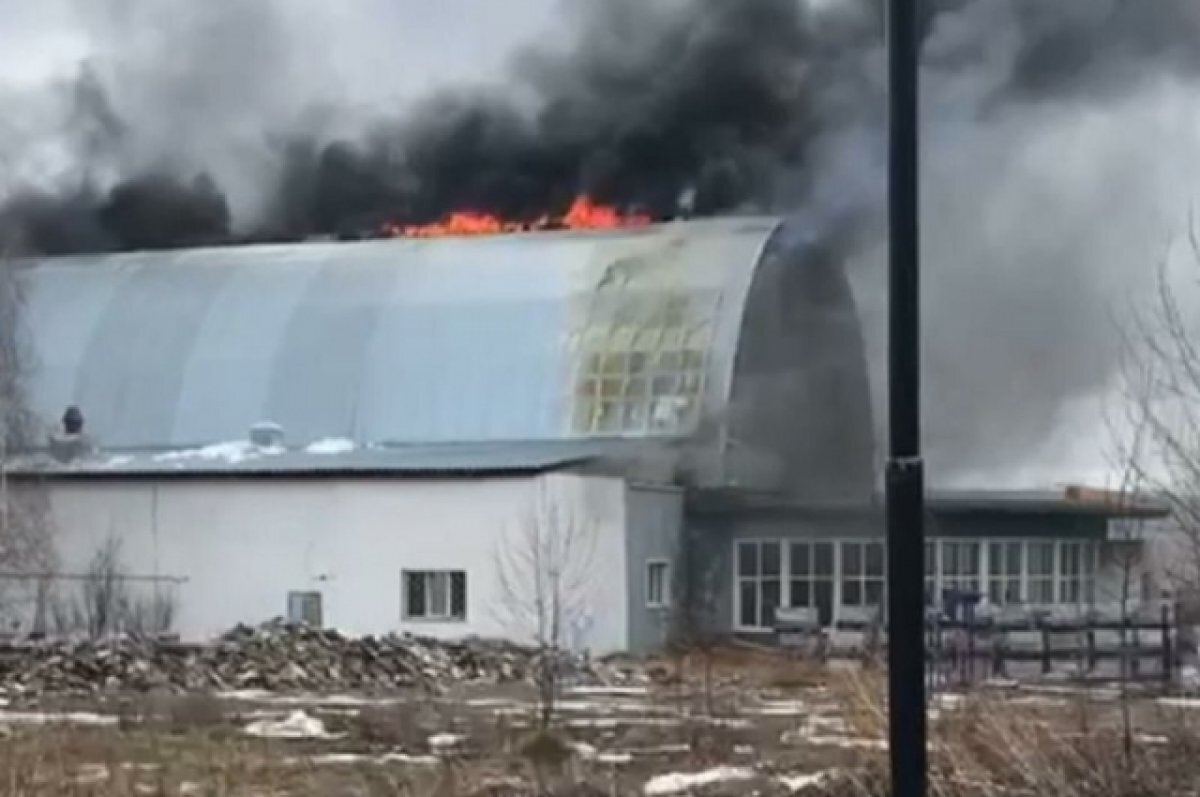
(276, 657)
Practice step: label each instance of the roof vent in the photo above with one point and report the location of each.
(70, 443)
(266, 435)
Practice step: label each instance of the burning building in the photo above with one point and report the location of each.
(359, 434)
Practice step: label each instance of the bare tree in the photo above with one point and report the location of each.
(1161, 397)
(25, 538)
(1127, 451)
(694, 631)
(544, 570)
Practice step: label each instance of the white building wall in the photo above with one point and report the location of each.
(243, 545)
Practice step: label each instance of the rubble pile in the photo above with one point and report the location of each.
(275, 656)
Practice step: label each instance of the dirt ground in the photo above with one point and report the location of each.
(746, 725)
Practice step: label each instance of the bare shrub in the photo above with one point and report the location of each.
(195, 711)
(104, 604)
(988, 746)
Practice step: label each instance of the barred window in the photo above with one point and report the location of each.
(434, 594)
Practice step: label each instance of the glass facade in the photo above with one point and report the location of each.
(828, 574)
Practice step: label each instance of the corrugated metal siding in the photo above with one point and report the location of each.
(387, 341)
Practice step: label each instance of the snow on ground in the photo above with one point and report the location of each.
(348, 759)
(55, 718)
(609, 691)
(1179, 702)
(445, 741)
(296, 725)
(319, 701)
(815, 731)
(681, 782)
(780, 708)
(795, 783)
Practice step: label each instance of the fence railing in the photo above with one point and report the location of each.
(1107, 643)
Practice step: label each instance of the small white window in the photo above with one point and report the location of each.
(434, 595)
(304, 608)
(658, 584)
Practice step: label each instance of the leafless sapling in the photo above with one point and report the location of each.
(544, 568)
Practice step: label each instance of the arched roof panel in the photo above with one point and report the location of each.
(518, 337)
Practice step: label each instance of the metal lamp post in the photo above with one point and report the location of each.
(905, 471)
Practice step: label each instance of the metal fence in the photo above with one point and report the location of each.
(1019, 643)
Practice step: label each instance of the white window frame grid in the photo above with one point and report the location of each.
(431, 575)
(1077, 588)
(964, 578)
(863, 579)
(1041, 587)
(933, 581)
(758, 578)
(811, 577)
(1002, 580)
(663, 600)
(1032, 585)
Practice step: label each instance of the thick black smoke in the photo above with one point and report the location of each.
(734, 103)
(155, 211)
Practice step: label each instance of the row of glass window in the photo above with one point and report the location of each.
(824, 574)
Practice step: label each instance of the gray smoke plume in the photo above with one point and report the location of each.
(1058, 141)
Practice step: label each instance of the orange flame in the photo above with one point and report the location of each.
(584, 214)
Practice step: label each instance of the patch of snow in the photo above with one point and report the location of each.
(336, 759)
(795, 783)
(609, 691)
(996, 682)
(811, 734)
(847, 742)
(89, 774)
(1038, 700)
(780, 708)
(116, 461)
(232, 452)
(949, 699)
(1169, 702)
(445, 741)
(274, 698)
(490, 702)
(677, 782)
(331, 445)
(189, 787)
(584, 750)
(405, 758)
(583, 706)
(743, 749)
(618, 722)
(297, 725)
(1146, 738)
(65, 718)
(1092, 693)
(662, 749)
(615, 759)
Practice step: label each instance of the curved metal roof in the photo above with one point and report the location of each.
(534, 336)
